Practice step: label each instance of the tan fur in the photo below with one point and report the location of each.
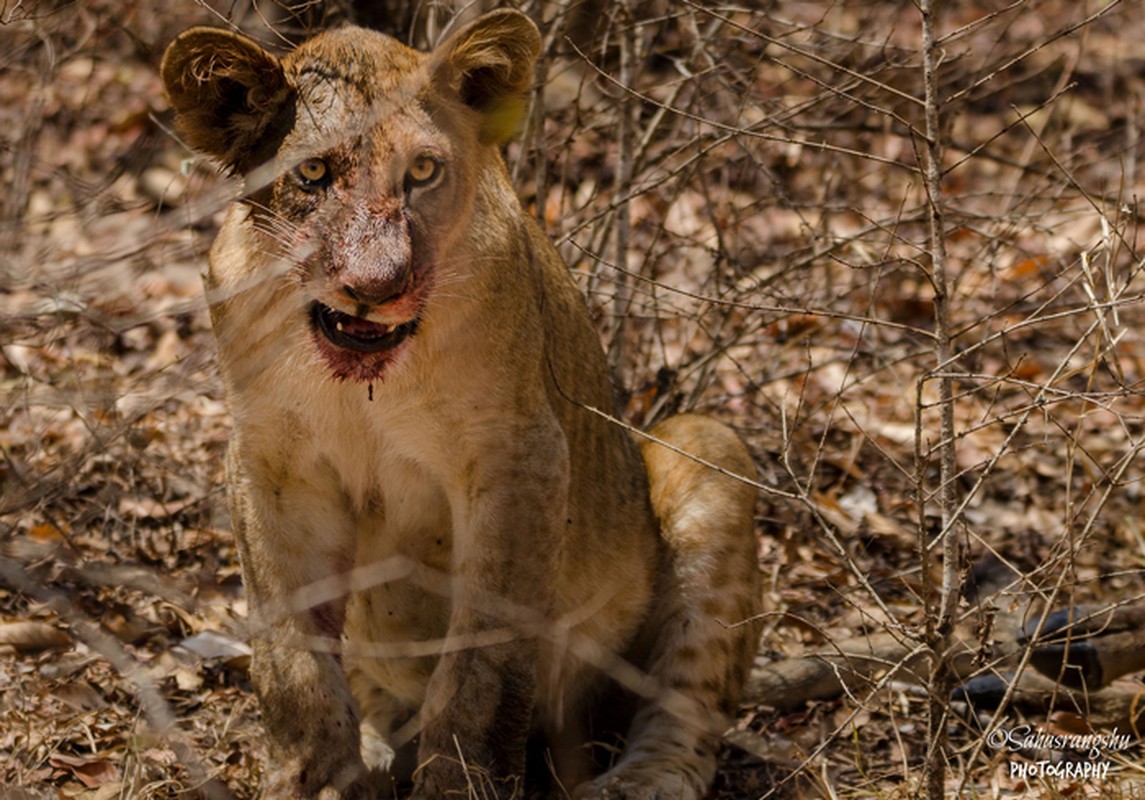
(447, 554)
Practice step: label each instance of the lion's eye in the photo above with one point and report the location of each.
(313, 172)
(422, 171)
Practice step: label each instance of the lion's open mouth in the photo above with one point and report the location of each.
(358, 334)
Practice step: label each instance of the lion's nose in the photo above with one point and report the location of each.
(375, 292)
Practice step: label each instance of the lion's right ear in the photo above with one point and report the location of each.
(489, 64)
(227, 93)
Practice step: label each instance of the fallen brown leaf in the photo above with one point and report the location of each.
(32, 637)
(91, 772)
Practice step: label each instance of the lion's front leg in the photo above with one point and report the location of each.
(479, 738)
(293, 551)
(481, 697)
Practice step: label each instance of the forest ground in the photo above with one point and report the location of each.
(777, 273)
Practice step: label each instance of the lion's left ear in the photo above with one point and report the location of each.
(489, 64)
(228, 94)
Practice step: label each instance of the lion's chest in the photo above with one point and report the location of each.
(398, 612)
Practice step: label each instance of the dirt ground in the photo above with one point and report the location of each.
(774, 269)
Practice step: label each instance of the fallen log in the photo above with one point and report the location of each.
(1088, 647)
(1075, 659)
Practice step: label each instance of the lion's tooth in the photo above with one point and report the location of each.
(339, 327)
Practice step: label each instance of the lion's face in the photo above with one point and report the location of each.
(360, 156)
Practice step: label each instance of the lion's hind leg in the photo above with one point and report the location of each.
(704, 629)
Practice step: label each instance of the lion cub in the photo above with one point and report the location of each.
(455, 565)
